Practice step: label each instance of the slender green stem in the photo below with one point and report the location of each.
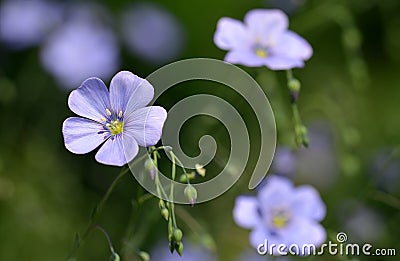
(107, 237)
(96, 212)
(300, 130)
(172, 189)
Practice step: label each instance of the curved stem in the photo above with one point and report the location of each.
(97, 210)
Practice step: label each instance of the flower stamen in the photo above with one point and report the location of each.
(261, 52)
(115, 127)
(280, 218)
(108, 112)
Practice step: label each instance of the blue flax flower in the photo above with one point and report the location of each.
(282, 214)
(117, 117)
(262, 40)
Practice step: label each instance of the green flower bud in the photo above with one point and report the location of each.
(161, 204)
(179, 248)
(144, 256)
(165, 213)
(191, 194)
(178, 235)
(294, 85)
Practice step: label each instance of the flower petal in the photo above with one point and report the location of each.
(146, 124)
(90, 100)
(244, 57)
(293, 45)
(129, 92)
(113, 151)
(307, 203)
(283, 63)
(266, 25)
(277, 191)
(230, 34)
(245, 212)
(82, 135)
(302, 231)
(258, 236)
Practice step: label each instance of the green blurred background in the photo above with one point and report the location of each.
(350, 95)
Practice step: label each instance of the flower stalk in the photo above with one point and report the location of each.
(300, 130)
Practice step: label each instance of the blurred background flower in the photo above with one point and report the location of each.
(318, 164)
(24, 23)
(282, 214)
(355, 217)
(152, 33)
(82, 47)
(349, 103)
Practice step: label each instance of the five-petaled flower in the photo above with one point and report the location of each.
(117, 117)
(282, 214)
(263, 39)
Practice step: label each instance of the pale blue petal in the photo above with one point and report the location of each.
(90, 100)
(283, 63)
(113, 153)
(145, 125)
(258, 236)
(266, 25)
(293, 45)
(302, 231)
(82, 135)
(307, 203)
(245, 212)
(231, 34)
(129, 92)
(276, 192)
(244, 57)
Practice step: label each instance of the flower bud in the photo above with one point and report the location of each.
(294, 85)
(191, 194)
(178, 235)
(161, 204)
(144, 256)
(150, 167)
(179, 248)
(165, 213)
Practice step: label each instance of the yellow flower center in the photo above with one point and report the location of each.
(280, 218)
(115, 127)
(260, 52)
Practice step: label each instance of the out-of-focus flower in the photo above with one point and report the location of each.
(190, 253)
(318, 164)
(152, 33)
(117, 117)
(263, 39)
(361, 223)
(284, 161)
(79, 49)
(385, 171)
(282, 214)
(25, 23)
